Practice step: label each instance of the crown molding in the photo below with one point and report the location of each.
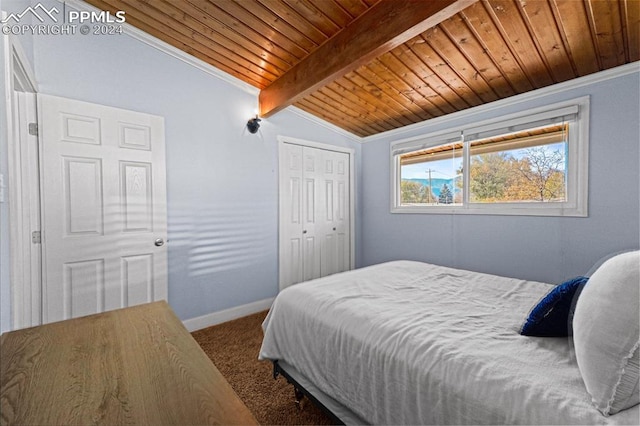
(164, 47)
(598, 77)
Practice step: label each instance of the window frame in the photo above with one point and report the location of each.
(576, 204)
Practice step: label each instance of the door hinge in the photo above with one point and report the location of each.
(33, 129)
(36, 237)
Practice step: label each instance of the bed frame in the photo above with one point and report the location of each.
(302, 386)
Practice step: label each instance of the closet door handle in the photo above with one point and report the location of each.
(304, 231)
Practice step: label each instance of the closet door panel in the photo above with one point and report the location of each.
(291, 215)
(335, 227)
(312, 161)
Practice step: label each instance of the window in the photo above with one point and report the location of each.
(432, 176)
(526, 164)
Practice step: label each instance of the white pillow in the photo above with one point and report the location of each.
(606, 333)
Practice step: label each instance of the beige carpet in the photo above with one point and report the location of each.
(233, 347)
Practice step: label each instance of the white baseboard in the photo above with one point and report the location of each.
(225, 315)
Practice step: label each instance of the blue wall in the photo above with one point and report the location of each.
(537, 248)
(221, 180)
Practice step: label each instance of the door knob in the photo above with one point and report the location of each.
(159, 242)
(304, 232)
(334, 229)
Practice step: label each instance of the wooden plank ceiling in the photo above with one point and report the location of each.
(485, 51)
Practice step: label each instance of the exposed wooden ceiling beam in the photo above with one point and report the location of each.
(381, 28)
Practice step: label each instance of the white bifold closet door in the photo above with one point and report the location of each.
(104, 208)
(314, 213)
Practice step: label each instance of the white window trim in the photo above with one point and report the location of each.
(577, 175)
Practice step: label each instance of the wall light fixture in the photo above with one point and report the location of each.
(253, 125)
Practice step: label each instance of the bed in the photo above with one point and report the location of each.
(407, 342)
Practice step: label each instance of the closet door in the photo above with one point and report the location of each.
(299, 214)
(312, 220)
(342, 220)
(314, 213)
(290, 211)
(334, 212)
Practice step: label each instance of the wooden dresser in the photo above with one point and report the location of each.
(136, 365)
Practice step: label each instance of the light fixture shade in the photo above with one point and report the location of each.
(253, 125)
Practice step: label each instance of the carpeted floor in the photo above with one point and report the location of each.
(233, 347)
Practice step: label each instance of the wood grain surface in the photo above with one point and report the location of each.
(328, 49)
(137, 365)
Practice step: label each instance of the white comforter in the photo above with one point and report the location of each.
(412, 343)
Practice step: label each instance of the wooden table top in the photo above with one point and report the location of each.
(136, 365)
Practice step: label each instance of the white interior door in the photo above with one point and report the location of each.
(311, 214)
(104, 208)
(334, 204)
(291, 218)
(300, 247)
(315, 213)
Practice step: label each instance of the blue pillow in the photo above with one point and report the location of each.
(551, 316)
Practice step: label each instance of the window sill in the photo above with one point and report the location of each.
(520, 209)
